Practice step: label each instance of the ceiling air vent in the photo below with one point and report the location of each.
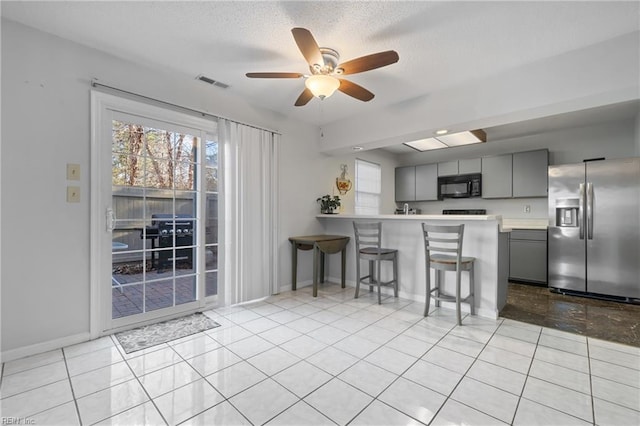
(212, 81)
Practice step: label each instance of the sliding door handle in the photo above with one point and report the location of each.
(110, 219)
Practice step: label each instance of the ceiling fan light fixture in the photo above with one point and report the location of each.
(322, 86)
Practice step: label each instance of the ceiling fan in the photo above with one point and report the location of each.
(325, 70)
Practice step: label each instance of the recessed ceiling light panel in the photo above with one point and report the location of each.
(426, 144)
(463, 138)
(447, 141)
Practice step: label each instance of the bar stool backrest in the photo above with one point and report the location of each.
(443, 239)
(368, 234)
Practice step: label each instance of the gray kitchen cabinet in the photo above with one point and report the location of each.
(405, 183)
(427, 182)
(530, 173)
(448, 168)
(469, 166)
(460, 167)
(528, 256)
(497, 176)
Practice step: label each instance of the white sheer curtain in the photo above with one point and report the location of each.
(250, 205)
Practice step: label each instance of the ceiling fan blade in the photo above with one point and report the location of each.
(369, 62)
(274, 75)
(355, 91)
(304, 97)
(308, 46)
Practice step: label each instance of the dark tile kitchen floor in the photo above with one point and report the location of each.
(607, 320)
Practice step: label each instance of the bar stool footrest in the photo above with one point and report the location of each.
(448, 298)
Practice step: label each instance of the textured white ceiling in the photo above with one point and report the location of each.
(441, 44)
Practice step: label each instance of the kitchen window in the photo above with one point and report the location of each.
(368, 186)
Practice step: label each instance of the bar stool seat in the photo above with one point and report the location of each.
(439, 240)
(450, 260)
(378, 251)
(368, 237)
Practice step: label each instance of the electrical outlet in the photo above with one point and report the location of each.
(73, 171)
(73, 194)
(527, 208)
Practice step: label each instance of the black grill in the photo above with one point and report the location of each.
(167, 227)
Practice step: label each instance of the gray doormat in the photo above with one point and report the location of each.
(162, 332)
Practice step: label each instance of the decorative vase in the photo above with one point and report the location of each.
(343, 183)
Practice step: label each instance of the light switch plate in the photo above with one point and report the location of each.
(73, 171)
(73, 194)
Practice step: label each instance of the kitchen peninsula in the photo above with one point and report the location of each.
(484, 238)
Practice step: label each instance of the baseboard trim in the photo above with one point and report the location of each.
(38, 348)
(299, 284)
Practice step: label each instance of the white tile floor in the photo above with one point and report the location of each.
(298, 360)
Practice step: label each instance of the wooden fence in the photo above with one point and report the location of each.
(133, 208)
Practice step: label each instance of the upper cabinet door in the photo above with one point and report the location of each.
(406, 183)
(427, 182)
(530, 173)
(469, 166)
(497, 173)
(448, 168)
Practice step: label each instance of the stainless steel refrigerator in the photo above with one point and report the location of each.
(594, 232)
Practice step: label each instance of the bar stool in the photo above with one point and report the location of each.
(439, 239)
(368, 247)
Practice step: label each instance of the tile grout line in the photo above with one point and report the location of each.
(593, 405)
(448, 397)
(398, 376)
(73, 394)
(68, 378)
(301, 399)
(526, 377)
(375, 398)
(141, 386)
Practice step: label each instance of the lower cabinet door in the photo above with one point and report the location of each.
(528, 261)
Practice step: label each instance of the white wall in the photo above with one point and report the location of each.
(46, 124)
(331, 166)
(616, 139)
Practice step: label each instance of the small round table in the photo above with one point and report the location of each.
(321, 245)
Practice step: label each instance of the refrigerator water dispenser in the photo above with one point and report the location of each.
(567, 212)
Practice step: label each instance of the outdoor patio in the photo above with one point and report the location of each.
(158, 292)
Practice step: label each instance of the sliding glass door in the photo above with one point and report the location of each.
(157, 190)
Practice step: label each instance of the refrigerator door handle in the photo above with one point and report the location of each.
(590, 210)
(581, 211)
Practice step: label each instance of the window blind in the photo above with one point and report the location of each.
(368, 187)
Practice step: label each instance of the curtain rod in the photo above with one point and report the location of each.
(94, 83)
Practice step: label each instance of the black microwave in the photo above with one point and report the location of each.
(460, 186)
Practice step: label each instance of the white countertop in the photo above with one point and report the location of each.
(506, 224)
(410, 216)
(420, 217)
